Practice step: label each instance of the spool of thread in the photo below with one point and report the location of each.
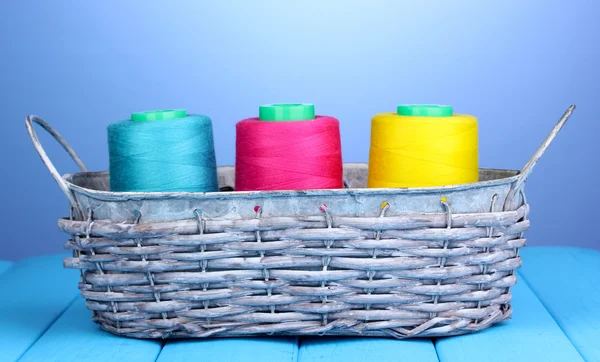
(162, 151)
(288, 148)
(422, 146)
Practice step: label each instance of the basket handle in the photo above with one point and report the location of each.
(40, 150)
(526, 171)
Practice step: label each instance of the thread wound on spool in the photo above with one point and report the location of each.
(423, 151)
(298, 155)
(174, 155)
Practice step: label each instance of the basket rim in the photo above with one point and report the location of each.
(124, 196)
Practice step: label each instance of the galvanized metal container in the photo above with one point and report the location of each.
(355, 261)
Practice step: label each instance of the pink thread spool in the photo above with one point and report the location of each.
(288, 148)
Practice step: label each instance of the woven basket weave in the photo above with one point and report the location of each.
(369, 262)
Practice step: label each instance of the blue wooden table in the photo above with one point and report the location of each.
(556, 318)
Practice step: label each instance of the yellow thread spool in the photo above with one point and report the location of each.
(423, 146)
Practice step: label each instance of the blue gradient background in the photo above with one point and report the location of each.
(516, 65)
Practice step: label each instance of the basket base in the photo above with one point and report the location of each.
(434, 328)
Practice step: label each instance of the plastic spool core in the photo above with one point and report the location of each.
(286, 112)
(425, 110)
(161, 115)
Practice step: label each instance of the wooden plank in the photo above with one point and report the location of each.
(366, 349)
(531, 335)
(275, 349)
(74, 337)
(567, 281)
(4, 266)
(33, 294)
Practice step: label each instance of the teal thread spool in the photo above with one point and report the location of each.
(162, 151)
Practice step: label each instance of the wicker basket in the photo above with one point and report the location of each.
(356, 261)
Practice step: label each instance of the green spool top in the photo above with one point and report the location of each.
(161, 115)
(286, 112)
(425, 110)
